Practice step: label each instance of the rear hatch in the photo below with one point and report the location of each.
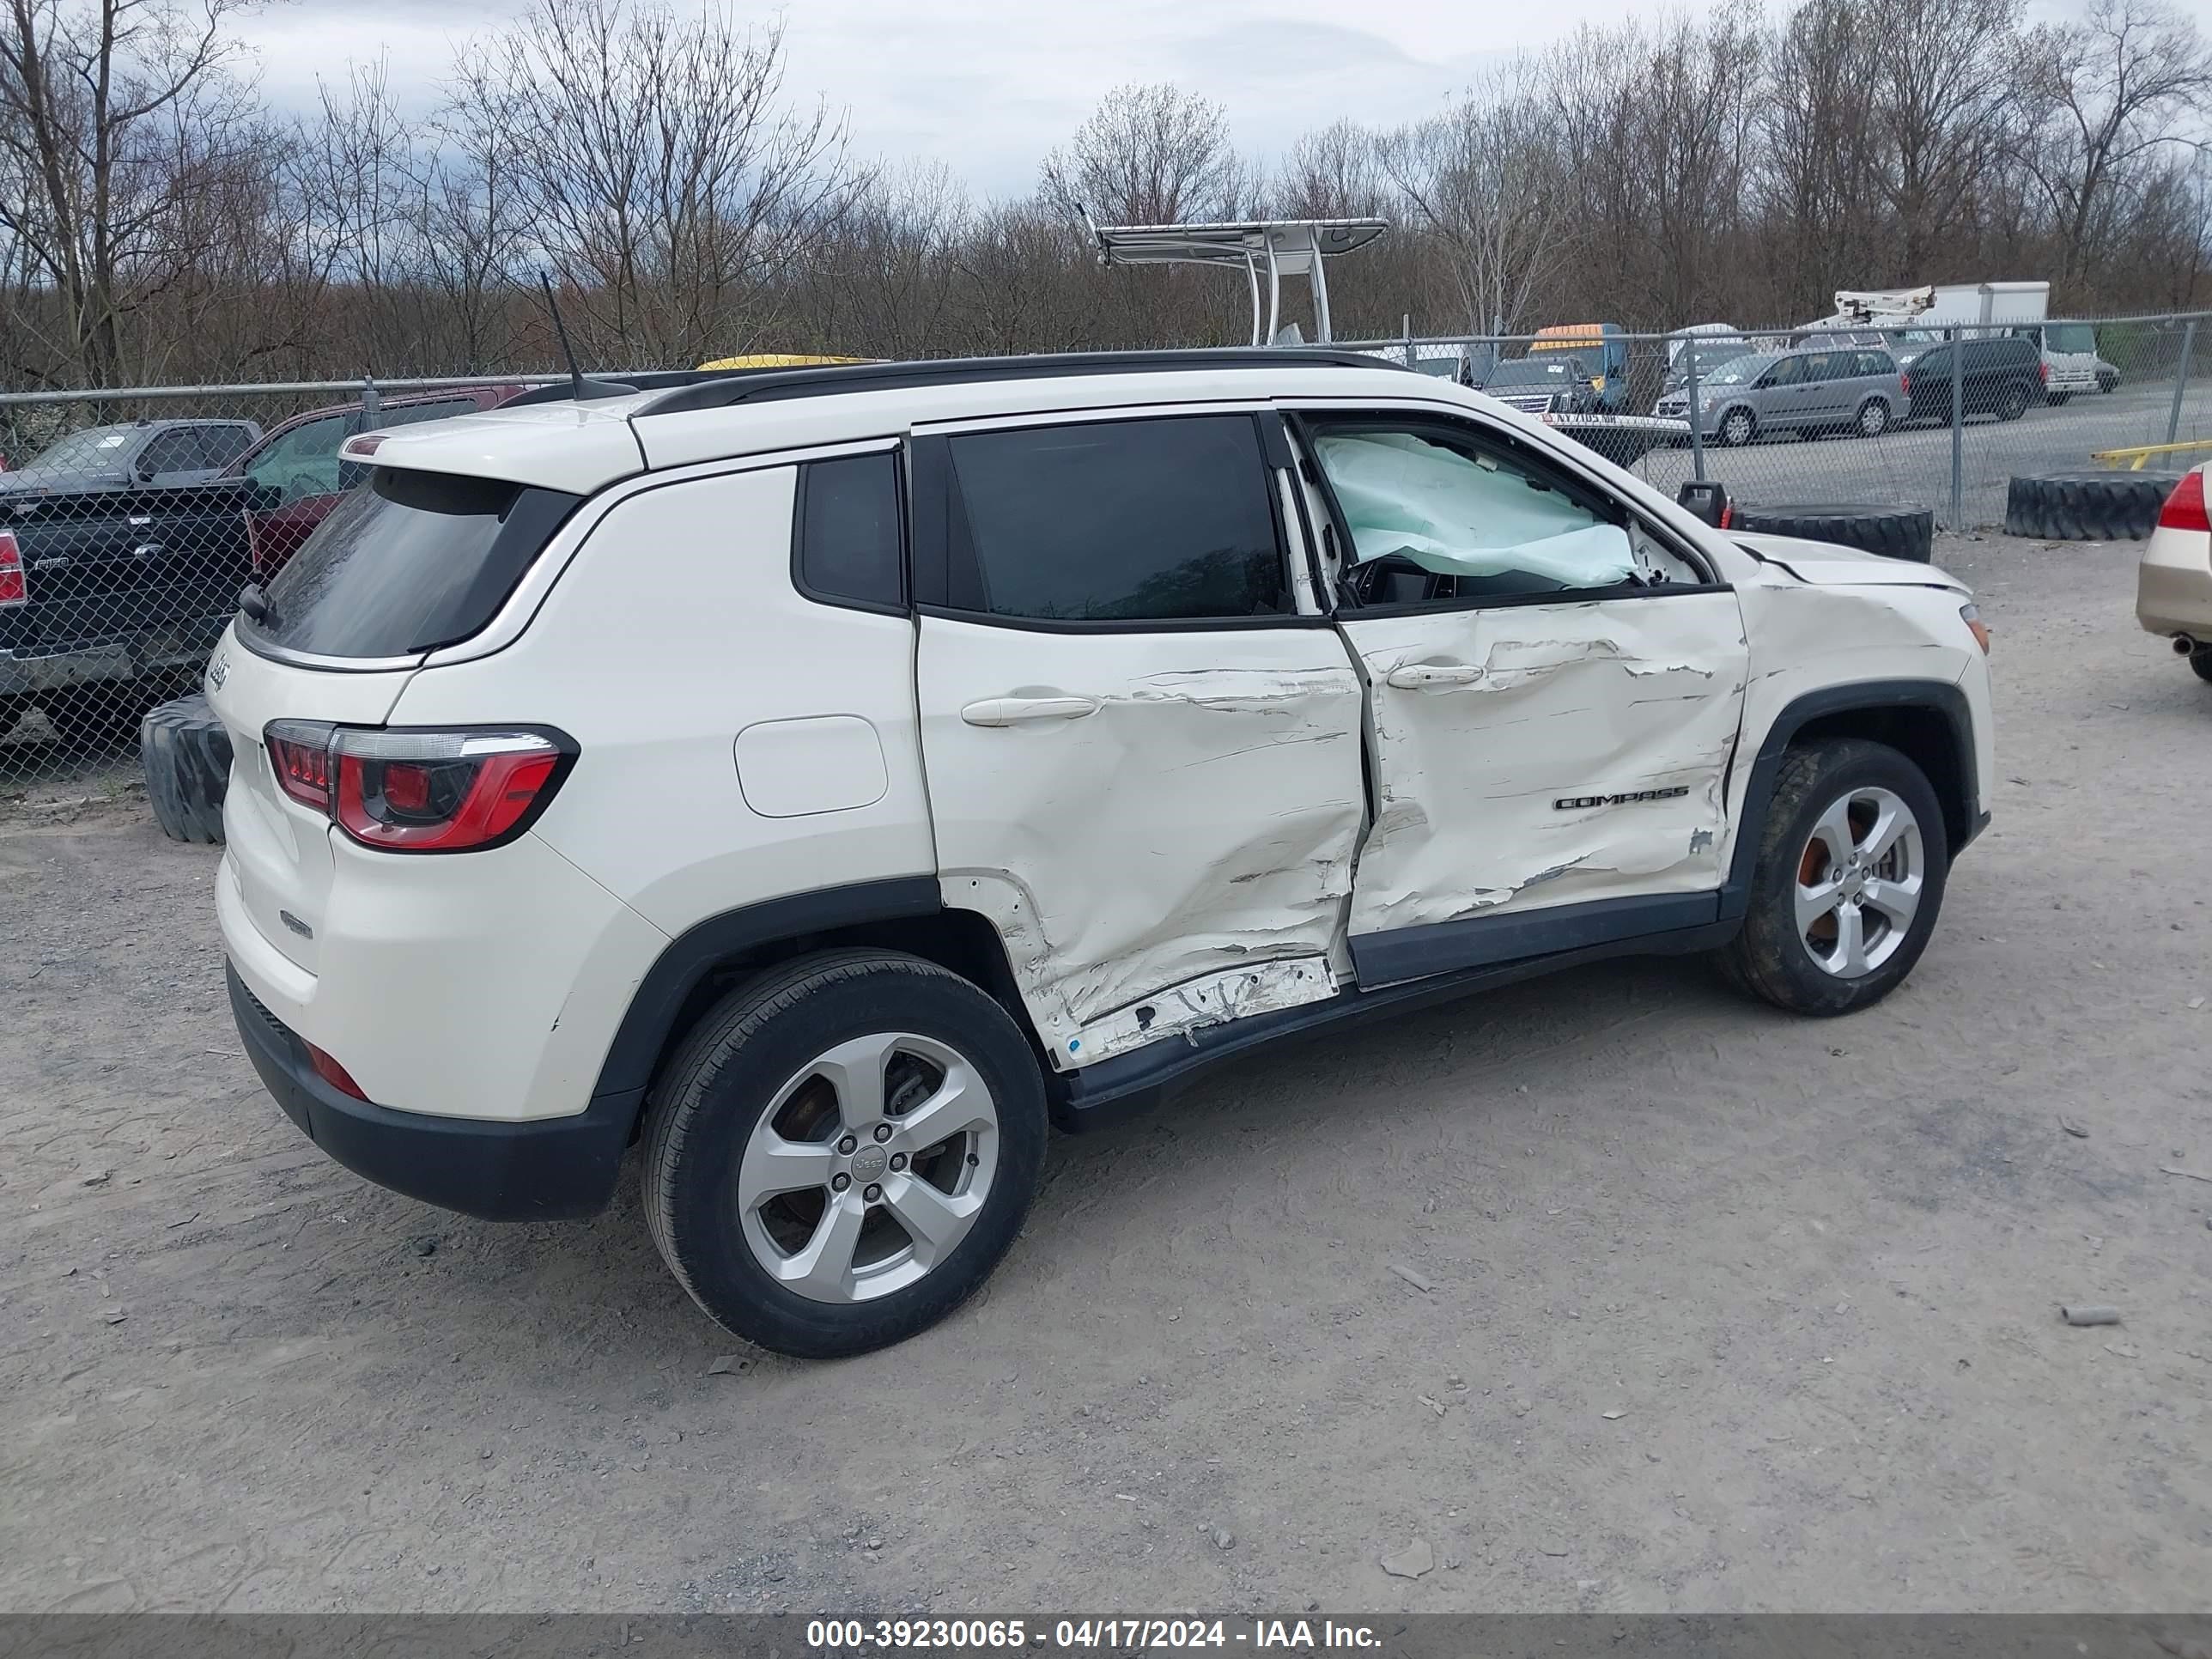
(411, 561)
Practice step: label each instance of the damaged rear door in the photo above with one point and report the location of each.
(1141, 737)
(1554, 692)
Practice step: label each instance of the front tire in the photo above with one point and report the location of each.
(1849, 877)
(2201, 660)
(841, 1152)
(1738, 428)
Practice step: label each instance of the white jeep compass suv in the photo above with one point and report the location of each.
(827, 779)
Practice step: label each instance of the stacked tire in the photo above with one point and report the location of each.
(186, 754)
(2088, 507)
(1895, 532)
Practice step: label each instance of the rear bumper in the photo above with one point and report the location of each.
(2174, 584)
(25, 672)
(540, 1170)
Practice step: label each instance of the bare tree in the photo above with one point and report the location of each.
(663, 177)
(1333, 174)
(1942, 121)
(1486, 181)
(111, 112)
(2121, 86)
(1151, 156)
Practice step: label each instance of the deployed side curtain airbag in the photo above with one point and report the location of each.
(1459, 517)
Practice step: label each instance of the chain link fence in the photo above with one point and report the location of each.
(1940, 417)
(130, 519)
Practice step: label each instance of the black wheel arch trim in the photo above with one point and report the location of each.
(687, 960)
(1964, 818)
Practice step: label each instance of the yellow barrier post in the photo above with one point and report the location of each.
(2136, 454)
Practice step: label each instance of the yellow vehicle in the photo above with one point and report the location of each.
(775, 360)
(1603, 354)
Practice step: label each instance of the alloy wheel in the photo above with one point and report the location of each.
(868, 1167)
(1859, 882)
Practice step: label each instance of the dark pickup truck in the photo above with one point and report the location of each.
(111, 600)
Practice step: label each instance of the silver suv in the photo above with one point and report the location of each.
(1837, 389)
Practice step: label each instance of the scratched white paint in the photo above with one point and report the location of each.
(1184, 1010)
(1200, 817)
(1583, 698)
(1866, 618)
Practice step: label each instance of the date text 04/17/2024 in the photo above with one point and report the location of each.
(1114, 1635)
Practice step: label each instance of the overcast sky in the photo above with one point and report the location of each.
(987, 86)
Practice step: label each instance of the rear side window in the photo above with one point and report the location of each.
(174, 451)
(847, 539)
(1128, 522)
(407, 563)
(222, 445)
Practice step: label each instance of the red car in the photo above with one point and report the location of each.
(299, 461)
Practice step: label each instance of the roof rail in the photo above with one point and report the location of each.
(659, 379)
(721, 390)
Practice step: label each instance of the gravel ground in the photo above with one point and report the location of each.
(1724, 1310)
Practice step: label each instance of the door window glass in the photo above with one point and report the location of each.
(1136, 520)
(1414, 503)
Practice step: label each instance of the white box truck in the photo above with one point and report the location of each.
(1909, 320)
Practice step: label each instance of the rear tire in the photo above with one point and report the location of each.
(2013, 403)
(773, 1086)
(1873, 418)
(1825, 935)
(2057, 399)
(2087, 506)
(2201, 660)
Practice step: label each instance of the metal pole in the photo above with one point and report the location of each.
(371, 405)
(1958, 430)
(2181, 380)
(1696, 412)
(1317, 280)
(1406, 327)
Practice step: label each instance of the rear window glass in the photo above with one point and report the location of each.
(408, 561)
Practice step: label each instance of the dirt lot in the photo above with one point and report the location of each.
(1727, 1311)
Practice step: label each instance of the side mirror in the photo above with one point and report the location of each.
(1705, 499)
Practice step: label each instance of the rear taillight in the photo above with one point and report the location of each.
(2185, 509)
(1728, 516)
(300, 757)
(2042, 373)
(421, 792)
(1904, 385)
(14, 588)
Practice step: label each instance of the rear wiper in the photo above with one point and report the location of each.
(255, 603)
